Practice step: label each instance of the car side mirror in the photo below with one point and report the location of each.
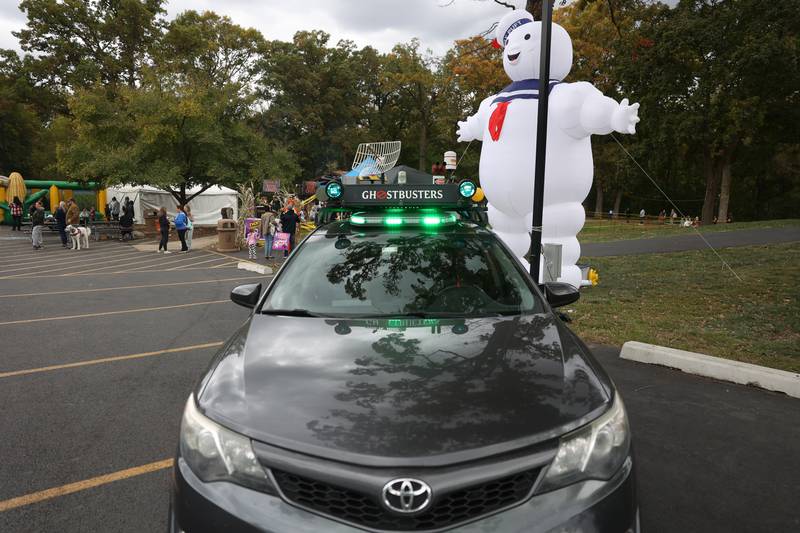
(246, 295)
(559, 294)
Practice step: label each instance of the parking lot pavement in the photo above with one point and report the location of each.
(97, 363)
(693, 240)
(712, 456)
(100, 349)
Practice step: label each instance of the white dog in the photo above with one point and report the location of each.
(79, 234)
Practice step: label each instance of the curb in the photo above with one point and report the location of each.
(254, 267)
(713, 367)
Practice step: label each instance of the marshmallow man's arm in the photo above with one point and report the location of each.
(592, 113)
(474, 126)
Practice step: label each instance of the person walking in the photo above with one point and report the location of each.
(181, 221)
(163, 227)
(16, 214)
(189, 226)
(37, 224)
(114, 208)
(269, 226)
(289, 221)
(61, 222)
(73, 213)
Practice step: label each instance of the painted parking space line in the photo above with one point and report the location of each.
(167, 261)
(117, 273)
(124, 287)
(109, 359)
(200, 263)
(79, 264)
(45, 258)
(134, 264)
(67, 261)
(11, 258)
(63, 490)
(107, 313)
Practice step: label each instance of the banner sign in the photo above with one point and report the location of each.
(401, 195)
(271, 186)
(251, 224)
(280, 241)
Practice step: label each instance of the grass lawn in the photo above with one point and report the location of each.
(687, 301)
(605, 230)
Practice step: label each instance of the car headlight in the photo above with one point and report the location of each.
(595, 451)
(215, 453)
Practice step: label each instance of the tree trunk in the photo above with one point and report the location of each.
(534, 7)
(617, 203)
(598, 201)
(712, 186)
(725, 190)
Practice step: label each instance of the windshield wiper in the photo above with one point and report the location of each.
(290, 312)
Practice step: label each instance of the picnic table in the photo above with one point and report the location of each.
(107, 227)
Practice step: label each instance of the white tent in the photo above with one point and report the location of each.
(205, 207)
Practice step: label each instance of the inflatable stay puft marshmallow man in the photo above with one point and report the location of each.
(506, 123)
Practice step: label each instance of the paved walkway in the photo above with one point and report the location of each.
(693, 241)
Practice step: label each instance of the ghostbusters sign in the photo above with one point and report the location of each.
(401, 195)
(506, 122)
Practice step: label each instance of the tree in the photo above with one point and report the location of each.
(171, 140)
(76, 43)
(187, 124)
(719, 75)
(208, 49)
(316, 99)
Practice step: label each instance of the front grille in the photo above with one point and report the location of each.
(446, 510)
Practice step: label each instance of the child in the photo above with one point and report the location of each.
(252, 242)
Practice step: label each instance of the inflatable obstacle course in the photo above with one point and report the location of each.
(31, 191)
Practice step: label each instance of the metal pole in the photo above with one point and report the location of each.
(541, 139)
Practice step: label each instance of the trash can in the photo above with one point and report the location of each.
(226, 236)
(150, 220)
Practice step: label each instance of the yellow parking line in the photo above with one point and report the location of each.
(78, 486)
(106, 313)
(28, 294)
(108, 360)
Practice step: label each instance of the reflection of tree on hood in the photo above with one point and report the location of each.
(472, 398)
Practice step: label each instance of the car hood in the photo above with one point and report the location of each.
(403, 391)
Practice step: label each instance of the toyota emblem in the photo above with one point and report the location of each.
(406, 495)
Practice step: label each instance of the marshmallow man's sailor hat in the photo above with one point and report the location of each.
(510, 22)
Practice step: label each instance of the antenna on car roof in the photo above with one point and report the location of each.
(373, 159)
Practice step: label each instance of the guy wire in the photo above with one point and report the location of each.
(675, 207)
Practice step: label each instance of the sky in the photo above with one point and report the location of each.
(379, 23)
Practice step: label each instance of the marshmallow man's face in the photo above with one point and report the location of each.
(521, 54)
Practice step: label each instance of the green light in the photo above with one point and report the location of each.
(358, 219)
(431, 221)
(467, 189)
(393, 221)
(334, 190)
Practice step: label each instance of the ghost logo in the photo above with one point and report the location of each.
(406, 495)
(381, 195)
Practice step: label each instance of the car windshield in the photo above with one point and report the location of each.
(401, 274)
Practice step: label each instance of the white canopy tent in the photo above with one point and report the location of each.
(205, 206)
